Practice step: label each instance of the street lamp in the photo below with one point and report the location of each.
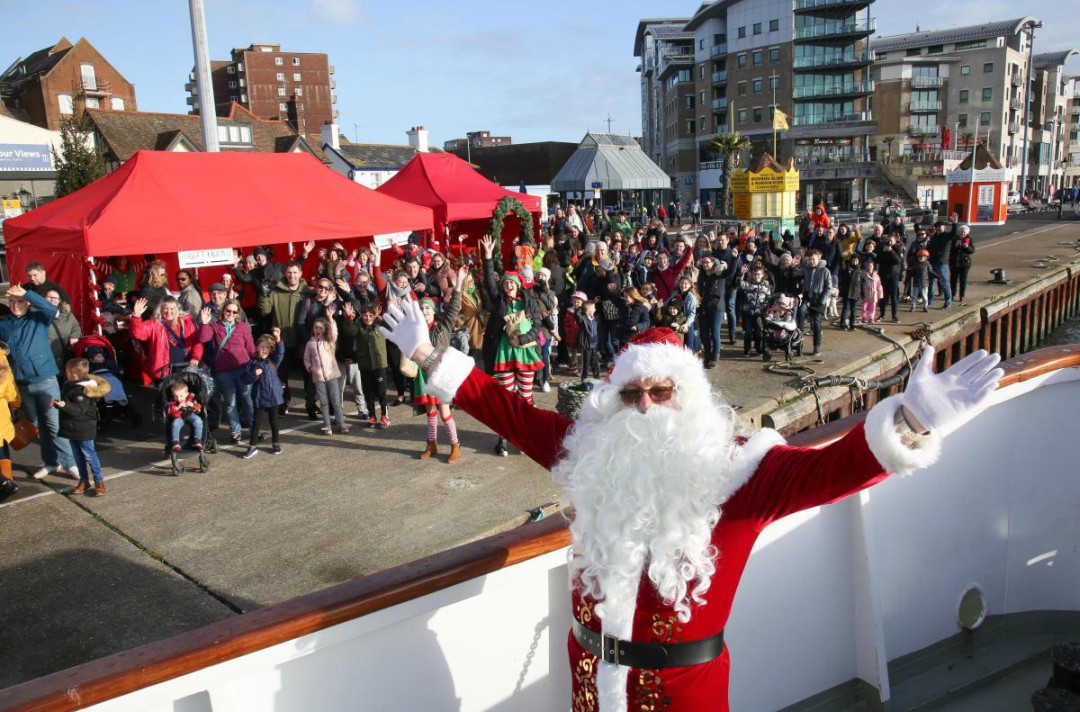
(1052, 127)
(1031, 26)
(24, 196)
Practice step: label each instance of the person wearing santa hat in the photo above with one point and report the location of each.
(440, 329)
(512, 360)
(668, 500)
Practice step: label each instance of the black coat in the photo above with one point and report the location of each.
(633, 319)
(78, 417)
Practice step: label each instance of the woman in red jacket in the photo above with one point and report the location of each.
(172, 339)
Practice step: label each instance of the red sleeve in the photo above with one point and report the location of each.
(791, 479)
(141, 329)
(536, 432)
(684, 261)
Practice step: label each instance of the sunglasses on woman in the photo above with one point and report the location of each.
(657, 394)
(231, 311)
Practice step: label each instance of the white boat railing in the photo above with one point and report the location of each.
(829, 595)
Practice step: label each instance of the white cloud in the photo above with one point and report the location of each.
(342, 12)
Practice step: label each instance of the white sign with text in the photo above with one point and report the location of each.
(206, 258)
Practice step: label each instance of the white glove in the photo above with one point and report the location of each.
(941, 402)
(406, 327)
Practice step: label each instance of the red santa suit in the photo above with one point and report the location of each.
(767, 480)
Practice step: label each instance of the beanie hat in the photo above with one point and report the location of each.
(579, 295)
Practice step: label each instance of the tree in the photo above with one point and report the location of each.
(888, 145)
(729, 146)
(78, 162)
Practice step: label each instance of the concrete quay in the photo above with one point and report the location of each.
(86, 577)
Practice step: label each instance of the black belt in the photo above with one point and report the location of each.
(653, 656)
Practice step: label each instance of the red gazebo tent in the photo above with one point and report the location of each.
(462, 200)
(161, 202)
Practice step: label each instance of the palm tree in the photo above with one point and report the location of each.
(888, 145)
(728, 145)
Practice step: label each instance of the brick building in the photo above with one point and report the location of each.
(48, 84)
(297, 87)
(476, 139)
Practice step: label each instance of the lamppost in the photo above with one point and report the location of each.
(25, 197)
(1031, 26)
(1052, 126)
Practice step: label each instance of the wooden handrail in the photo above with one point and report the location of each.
(131, 670)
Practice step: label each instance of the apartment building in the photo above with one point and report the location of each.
(807, 58)
(476, 139)
(972, 80)
(50, 83)
(296, 87)
(1072, 132)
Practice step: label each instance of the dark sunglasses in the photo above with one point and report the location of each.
(657, 394)
(322, 288)
(231, 311)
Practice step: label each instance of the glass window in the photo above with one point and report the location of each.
(774, 82)
(961, 120)
(774, 25)
(984, 118)
(740, 60)
(281, 91)
(245, 134)
(280, 76)
(742, 89)
(742, 32)
(774, 55)
(232, 84)
(690, 126)
(67, 106)
(988, 68)
(964, 96)
(757, 28)
(965, 69)
(300, 91)
(222, 134)
(89, 79)
(296, 61)
(701, 72)
(757, 115)
(283, 107)
(757, 86)
(757, 57)
(741, 116)
(988, 93)
(117, 103)
(92, 103)
(279, 61)
(230, 69)
(297, 76)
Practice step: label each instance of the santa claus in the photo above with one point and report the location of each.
(668, 499)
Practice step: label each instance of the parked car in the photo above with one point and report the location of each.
(1014, 197)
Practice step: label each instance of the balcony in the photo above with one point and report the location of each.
(718, 50)
(831, 118)
(1017, 80)
(189, 87)
(330, 69)
(824, 125)
(835, 61)
(925, 107)
(1014, 128)
(719, 104)
(926, 82)
(849, 89)
(839, 31)
(816, 169)
(719, 77)
(933, 130)
(847, 5)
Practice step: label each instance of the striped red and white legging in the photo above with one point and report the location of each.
(520, 382)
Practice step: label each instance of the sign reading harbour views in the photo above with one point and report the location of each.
(25, 157)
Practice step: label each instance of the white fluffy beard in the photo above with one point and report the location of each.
(646, 489)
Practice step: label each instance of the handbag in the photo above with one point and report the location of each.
(25, 432)
(408, 367)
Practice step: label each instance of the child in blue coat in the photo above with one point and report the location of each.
(267, 393)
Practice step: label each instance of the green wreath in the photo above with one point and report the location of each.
(505, 207)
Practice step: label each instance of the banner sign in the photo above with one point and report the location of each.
(206, 258)
(385, 242)
(25, 157)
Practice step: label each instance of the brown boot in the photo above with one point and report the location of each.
(455, 453)
(432, 449)
(80, 488)
(99, 489)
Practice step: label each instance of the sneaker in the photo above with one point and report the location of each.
(41, 473)
(276, 449)
(361, 415)
(327, 431)
(174, 446)
(546, 387)
(251, 452)
(373, 422)
(72, 473)
(235, 437)
(384, 423)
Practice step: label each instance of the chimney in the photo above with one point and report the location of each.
(330, 136)
(418, 138)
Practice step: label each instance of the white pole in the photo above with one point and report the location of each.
(971, 183)
(207, 108)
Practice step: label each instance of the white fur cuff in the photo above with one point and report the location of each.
(884, 440)
(446, 379)
(750, 455)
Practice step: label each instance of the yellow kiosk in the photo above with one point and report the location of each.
(765, 195)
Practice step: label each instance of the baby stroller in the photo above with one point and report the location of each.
(781, 331)
(201, 385)
(99, 351)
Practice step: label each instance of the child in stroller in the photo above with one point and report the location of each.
(781, 331)
(185, 394)
(99, 351)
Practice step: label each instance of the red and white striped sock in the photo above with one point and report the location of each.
(432, 426)
(505, 379)
(451, 429)
(525, 384)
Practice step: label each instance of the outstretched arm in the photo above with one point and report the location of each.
(452, 376)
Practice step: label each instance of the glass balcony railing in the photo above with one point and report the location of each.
(832, 118)
(719, 77)
(845, 89)
(926, 82)
(925, 106)
(819, 4)
(719, 104)
(932, 130)
(866, 27)
(718, 50)
(832, 60)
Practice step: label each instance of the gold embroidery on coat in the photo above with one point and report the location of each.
(585, 685)
(666, 631)
(649, 692)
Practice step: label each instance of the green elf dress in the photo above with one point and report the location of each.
(517, 358)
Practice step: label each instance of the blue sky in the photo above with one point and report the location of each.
(533, 71)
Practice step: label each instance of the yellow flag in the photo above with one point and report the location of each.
(779, 120)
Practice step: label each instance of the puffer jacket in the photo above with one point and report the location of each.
(9, 394)
(266, 388)
(320, 362)
(78, 415)
(370, 346)
(755, 296)
(28, 338)
(281, 305)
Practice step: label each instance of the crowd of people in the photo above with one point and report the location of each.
(572, 300)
